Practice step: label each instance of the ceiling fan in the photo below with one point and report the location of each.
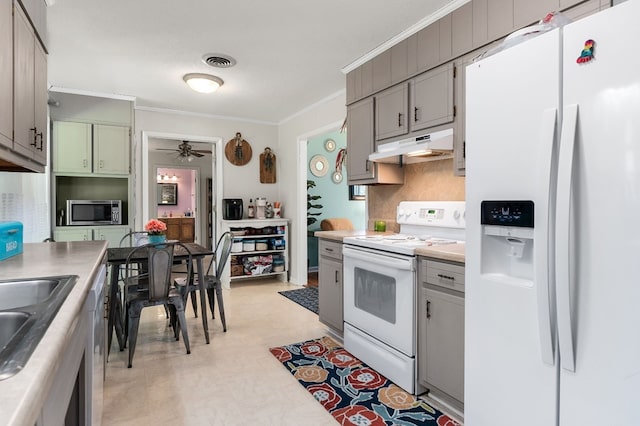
(186, 152)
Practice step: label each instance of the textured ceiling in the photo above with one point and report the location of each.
(289, 52)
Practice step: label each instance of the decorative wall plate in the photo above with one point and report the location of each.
(330, 145)
(319, 165)
(336, 177)
(238, 151)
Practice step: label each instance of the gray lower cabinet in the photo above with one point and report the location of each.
(441, 329)
(330, 307)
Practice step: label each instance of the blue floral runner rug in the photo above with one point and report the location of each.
(306, 297)
(351, 391)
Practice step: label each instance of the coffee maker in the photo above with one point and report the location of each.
(232, 208)
(261, 204)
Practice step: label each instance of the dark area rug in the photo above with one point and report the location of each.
(306, 296)
(351, 391)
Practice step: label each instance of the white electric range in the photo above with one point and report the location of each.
(380, 287)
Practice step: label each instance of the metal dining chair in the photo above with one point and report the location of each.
(152, 287)
(213, 284)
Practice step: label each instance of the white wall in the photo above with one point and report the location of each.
(244, 182)
(313, 121)
(239, 181)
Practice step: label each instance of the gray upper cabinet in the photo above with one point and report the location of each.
(480, 31)
(37, 11)
(361, 143)
(462, 30)
(399, 64)
(426, 102)
(432, 98)
(391, 112)
(568, 3)
(30, 107)
(444, 27)
(499, 18)
(6, 74)
(428, 47)
(360, 140)
(366, 78)
(382, 70)
(351, 86)
(526, 12)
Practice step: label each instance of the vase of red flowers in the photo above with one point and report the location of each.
(156, 231)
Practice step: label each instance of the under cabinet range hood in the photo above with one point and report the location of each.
(428, 147)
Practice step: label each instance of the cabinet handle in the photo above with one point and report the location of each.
(101, 164)
(41, 141)
(428, 309)
(399, 119)
(415, 114)
(35, 137)
(328, 249)
(366, 165)
(84, 163)
(336, 276)
(446, 277)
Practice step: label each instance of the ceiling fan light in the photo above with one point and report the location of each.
(203, 83)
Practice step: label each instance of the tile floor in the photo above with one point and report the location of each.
(232, 381)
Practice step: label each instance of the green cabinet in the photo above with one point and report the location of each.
(113, 234)
(90, 149)
(71, 147)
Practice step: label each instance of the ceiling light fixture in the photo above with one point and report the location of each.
(183, 156)
(203, 83)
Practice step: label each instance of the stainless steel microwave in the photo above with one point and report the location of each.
(94, 212)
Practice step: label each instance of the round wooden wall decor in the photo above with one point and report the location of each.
(238, 151)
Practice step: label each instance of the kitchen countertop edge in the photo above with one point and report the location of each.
(24, 394)
(451, 252)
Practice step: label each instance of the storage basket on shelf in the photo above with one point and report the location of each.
(261, 245)
(249, 245)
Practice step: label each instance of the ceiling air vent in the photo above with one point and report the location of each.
(217, 60)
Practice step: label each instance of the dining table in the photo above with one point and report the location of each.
(117, 256)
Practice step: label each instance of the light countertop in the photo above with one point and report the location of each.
(22, 395)
(452, 252)
(341, 235)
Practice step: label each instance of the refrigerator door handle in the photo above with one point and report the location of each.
(563, 244)
(547, 338)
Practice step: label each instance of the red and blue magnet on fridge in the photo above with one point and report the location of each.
(587, 52)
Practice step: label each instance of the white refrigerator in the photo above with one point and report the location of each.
(552, 302)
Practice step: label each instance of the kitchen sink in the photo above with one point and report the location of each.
(15, 294)
(27, 307)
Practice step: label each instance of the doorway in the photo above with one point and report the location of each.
(161, 154)
(177, 196)
(328, 195)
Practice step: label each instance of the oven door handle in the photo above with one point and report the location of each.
(369, 257)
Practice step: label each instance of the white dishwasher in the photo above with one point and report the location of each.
(95, 350)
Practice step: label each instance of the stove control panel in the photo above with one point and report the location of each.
(449, 214)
